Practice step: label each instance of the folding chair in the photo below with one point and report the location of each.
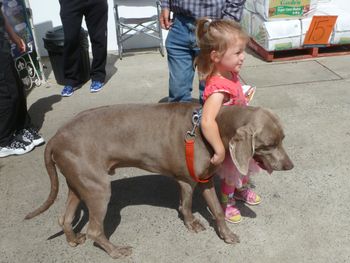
(129, 24)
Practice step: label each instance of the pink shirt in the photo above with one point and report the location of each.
(231, 87)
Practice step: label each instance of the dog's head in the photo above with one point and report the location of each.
(260, 139)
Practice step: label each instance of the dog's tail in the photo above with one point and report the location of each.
(51, 170)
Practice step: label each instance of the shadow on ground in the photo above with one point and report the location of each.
(39, 108)
(111, 67)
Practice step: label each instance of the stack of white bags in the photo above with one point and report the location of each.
(282, 24)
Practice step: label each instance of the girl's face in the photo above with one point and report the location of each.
(232, 59)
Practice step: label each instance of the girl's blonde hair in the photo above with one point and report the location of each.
(215, 35)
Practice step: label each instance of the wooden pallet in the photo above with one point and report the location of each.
(299, 53)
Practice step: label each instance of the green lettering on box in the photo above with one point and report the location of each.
(283, 46)
(289, 10)
(344, 40)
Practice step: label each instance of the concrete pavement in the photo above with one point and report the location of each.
(304, 216)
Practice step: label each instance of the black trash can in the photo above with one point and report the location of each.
(54, 43)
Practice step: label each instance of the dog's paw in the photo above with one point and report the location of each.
(195, 226)
(229, 237)
(119, 252)
(77, 240)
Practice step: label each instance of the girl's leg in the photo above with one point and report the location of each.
(228, 202)
(246, 194)
(229, 181)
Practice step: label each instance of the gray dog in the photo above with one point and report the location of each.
(92, 145)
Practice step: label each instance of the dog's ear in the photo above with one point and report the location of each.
(241, 148)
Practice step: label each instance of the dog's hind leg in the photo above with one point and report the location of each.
(67, 218)
(185, 207)
(213, 203)
(96, 199)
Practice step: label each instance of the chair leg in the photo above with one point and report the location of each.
(118, 31)
(161, 49)
(159, 29)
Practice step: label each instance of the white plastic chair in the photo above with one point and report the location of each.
(129, 23)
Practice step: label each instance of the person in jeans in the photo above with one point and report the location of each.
(17, 135)
(96, 15)
(181, 43)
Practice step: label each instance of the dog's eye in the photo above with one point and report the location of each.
(266, 148)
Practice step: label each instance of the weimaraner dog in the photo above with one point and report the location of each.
(151, 136)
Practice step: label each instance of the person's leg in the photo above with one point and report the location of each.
(243, 192)
(96, 15)
(10, 110)
(179, 46)
(8, 97)
(24, 126)
(227, 173)
(23, 118)
(247, 194)
(71, 16)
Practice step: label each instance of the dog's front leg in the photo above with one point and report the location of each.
(185, 207)
(211, 198)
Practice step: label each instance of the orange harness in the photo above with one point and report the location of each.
(189, 147)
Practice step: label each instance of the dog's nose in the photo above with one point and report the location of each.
(288, 165)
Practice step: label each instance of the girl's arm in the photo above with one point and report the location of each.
(210, 127)
(14, 37)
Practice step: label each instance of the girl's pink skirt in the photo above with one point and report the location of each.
(228, 171)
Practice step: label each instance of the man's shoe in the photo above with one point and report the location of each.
(67, 91)
(32, 135)
(96, 86)
(16, 147)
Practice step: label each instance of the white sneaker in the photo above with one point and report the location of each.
(31, 135)
(16, 147)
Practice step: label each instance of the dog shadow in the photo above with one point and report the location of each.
(154, 190)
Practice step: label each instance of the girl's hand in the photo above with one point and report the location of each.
(218, 158)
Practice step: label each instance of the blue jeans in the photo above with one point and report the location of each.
(182, 49)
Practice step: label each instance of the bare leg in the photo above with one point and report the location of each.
(67, 218)
(192, 223)
(211, 198)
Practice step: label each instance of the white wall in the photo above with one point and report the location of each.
(46, 16)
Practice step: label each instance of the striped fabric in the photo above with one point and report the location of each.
(214, 9)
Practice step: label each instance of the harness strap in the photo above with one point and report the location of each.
(189, 148)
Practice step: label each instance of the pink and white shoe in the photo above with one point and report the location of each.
(232, 214)
(248, 196)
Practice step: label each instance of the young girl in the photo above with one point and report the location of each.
(222, 44)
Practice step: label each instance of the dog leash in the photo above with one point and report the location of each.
(189, 145)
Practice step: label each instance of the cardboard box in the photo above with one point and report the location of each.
(341, 32)
(276, 35)
(284, 9)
